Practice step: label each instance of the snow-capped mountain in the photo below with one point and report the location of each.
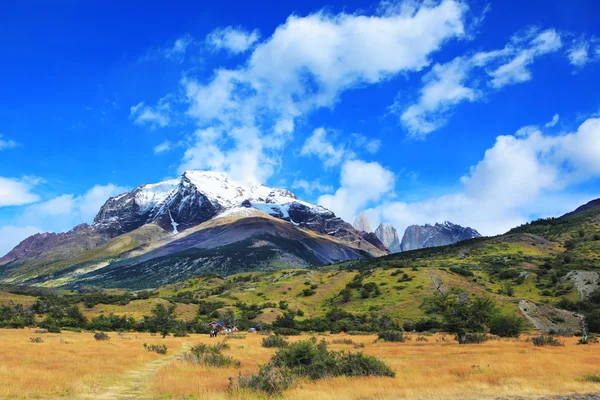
(198, 196)
(212, 222)
(421, 236)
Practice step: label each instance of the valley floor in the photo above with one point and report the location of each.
(74, 365)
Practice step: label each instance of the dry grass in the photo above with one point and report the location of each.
(69, 363)
(425, 370)
(434, 369)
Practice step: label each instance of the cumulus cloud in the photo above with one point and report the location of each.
(317, 144)
(360, 183)
(521, 175)
(157, 116)
(578, 53)
(468, 78)
(7, 144)
(162, 147)
(231, 39)
(180, 46)
(63, 212)
(553, 122)
(16, 192)
(306, 64)
(310, 187)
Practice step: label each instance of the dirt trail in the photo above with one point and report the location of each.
(133, 383)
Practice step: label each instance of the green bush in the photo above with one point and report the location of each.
(274, 341)
(342, 341)
(36, 339)
(101, 336)
(268, 379)
(474, 338)
(287, 331)
(461, 271)
(157, 348)
(210, 355)
(592, 378)
(546, 340)
(392, 336)
(506, 326)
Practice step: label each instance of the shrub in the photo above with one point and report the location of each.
(461, 271)
(157, 348)
(392, 336)
(506, 326)
(36, 339)
(422, 339)
(101, 336)
(308, 292)
(592, 378)
(474, 338)
(359, 345)
(546, 340)
(313, 360)
(287, 331)
(210, 355)
(342, 341)
(180, 333)
(268, 379)
(274, 341)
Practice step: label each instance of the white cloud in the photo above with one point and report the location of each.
(64, 212)
(360, 183)
(554, 121)
(578, 53)
(234, 40)
(158, 116)
(305, 65)
(7, 144)
(447, 85)
(312, 186)
(318, 145)
(519, 176)
(162, 147)
(180, 46)
(16, 192)
(10, 236)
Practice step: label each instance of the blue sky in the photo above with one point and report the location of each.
(483, 113)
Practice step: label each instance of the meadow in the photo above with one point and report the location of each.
(75, 365)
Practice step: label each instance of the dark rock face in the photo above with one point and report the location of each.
(389, 237)
(326, 222)
(418, 237)
(184, 204)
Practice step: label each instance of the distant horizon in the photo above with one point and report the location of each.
(478, 113)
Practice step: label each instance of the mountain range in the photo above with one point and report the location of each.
(198, 222)
(416, 236)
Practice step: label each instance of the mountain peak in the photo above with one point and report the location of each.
(418, 237)
(362, 223)
(388, 236)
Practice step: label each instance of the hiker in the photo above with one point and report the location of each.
(212, 334)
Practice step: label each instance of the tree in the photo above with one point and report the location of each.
(464, 315)
(163, 319)
(346, 294)
(506, 326)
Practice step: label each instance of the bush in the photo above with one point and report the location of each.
(592, 378)
(313, 360)
(506, 326)
(545, 340)
(268, 379)
(101, 336)
(474, 338)
(211, 356)
(392, 336)
(308, 292)
(157, 348)
(287, 331)
(461, 271)
(342, 341)
(36, 339)
(274, 341)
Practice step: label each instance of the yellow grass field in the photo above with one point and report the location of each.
(74, 365)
